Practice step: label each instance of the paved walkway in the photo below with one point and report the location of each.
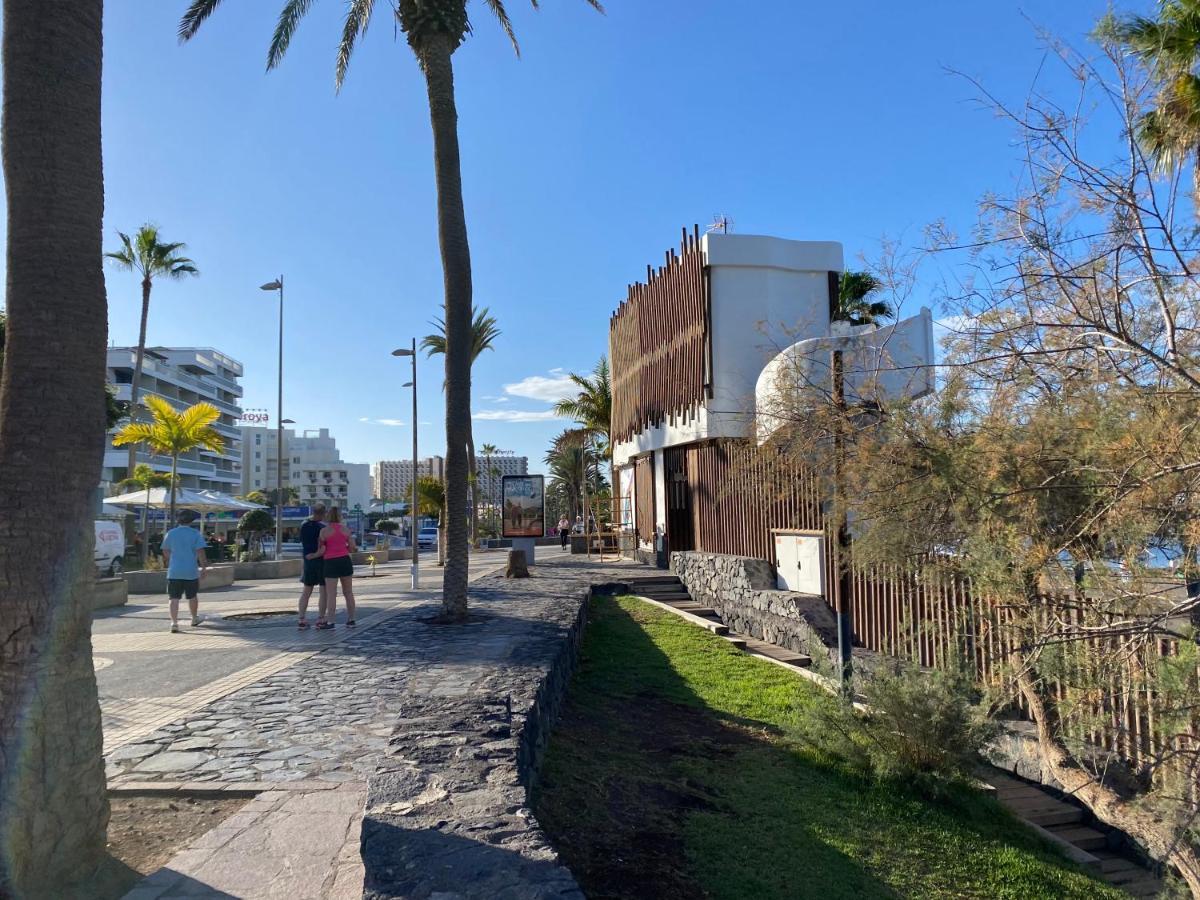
(305, 720)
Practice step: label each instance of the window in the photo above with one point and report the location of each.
(258, 455)
(258, 439)
(259, 468)
(296, 460)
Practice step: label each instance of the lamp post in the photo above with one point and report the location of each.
(277, 285)
(405, 351)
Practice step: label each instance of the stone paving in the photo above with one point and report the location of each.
(322, 721)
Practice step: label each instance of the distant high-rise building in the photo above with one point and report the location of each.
(391, 479)
(183, 376)
(312, 464)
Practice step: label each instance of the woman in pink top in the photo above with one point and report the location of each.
(334, 545)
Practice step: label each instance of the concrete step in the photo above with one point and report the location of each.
(1113, 863)
(1149, 887)
(1082, 836)
(653, 579)
(696, 609)
(668, 597)
(738, 642)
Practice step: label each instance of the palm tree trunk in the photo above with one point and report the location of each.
(53, 801)
(145, 528)
(170, 523)
(474, 487)
(436, 63)
(135, 389)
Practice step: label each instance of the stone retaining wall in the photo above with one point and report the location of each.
(742, 590)
(447, 812)
(142, 582)
(110, 592)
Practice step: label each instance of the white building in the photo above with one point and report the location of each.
(688, 348)
(312, 464)
(391, 479)
(183, 376)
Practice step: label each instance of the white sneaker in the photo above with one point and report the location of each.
(174, 628)
(196, 620)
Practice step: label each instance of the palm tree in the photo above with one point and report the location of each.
(489, 450)
(143, 479)
(431, 501)
(853, 306)
(434, 29)
(1169, 46)
(484, 332)
(150, 258)
(591, 408)
(572, 466)
(53, 800)
(173, 433)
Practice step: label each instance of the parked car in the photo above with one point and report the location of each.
(110, 548)
(427, 539)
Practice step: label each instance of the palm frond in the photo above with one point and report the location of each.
(194, 17)
(198, 416)
(501, 14)
(137, 433)
(162, 411)
(289, 17)
(358, 17)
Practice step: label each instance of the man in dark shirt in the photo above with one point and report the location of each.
(314, 569)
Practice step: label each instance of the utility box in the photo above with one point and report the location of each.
(800, 561)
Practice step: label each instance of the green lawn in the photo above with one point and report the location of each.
(670, 775)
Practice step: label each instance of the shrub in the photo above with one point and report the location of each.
(256, 521)
(391, 526)
(918, 726)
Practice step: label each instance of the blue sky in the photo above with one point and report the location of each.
(581, 161)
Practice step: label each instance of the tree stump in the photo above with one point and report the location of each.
(517, 567)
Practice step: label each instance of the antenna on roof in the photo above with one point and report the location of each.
(721, 223)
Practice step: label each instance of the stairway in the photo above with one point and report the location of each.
(1069, 821)
(669, 591)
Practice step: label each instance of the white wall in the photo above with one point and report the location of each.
(767, 293)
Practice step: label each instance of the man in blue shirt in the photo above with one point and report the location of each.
(314, 569)
(183, 551)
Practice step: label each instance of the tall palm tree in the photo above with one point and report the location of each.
(143, 479)
(431, 501)
(434, 29)
(572, 466)
(854, 304)
(591, 408)
(1169, 46)
(174, 433)
(484, 332)
(151, 258)
(489, 450)
(53, 801)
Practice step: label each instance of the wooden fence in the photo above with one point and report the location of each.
(740, 493)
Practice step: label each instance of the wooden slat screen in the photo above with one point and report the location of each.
(643, 486)
(659, 343)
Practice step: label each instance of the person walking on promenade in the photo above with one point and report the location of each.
(313, 575)
(335, 545)
(564, 531)
(183, 550)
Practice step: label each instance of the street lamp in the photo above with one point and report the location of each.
(277, 285)
(405, 351)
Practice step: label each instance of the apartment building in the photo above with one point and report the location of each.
(183, 376)
(391, 479)
(312, 464)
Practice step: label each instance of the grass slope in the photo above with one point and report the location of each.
(671, 775)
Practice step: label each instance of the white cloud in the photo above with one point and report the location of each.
(497, 399)
(391, 422)
(515, 415)
(549, 389)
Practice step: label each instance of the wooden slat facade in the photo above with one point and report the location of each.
(660, 344)
(643, 489)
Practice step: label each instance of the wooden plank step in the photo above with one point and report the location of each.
(669, 597)
(738, 642)
(1114, 864)
(653, 579)
(1148, 888)
(779, 654)
(696, 609)
(1050, 817)
(1127, 876)
(1082, 836)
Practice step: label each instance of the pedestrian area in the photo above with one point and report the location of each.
(299, 718)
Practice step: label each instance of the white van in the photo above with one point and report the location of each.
(110, 548)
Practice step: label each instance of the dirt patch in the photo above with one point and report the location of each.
(145, 832)
(625, 839)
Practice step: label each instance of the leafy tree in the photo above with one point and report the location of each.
(854, 305)
(290, 494)
(435, 29)
(258, 497)
(255, 523)
(591, 408)
(53, 798)
(143, 479)
(492, 473)
(388, 526)
(431, 501)
(484, 332)
(174, 433)
(572, 466)
(150, 258)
